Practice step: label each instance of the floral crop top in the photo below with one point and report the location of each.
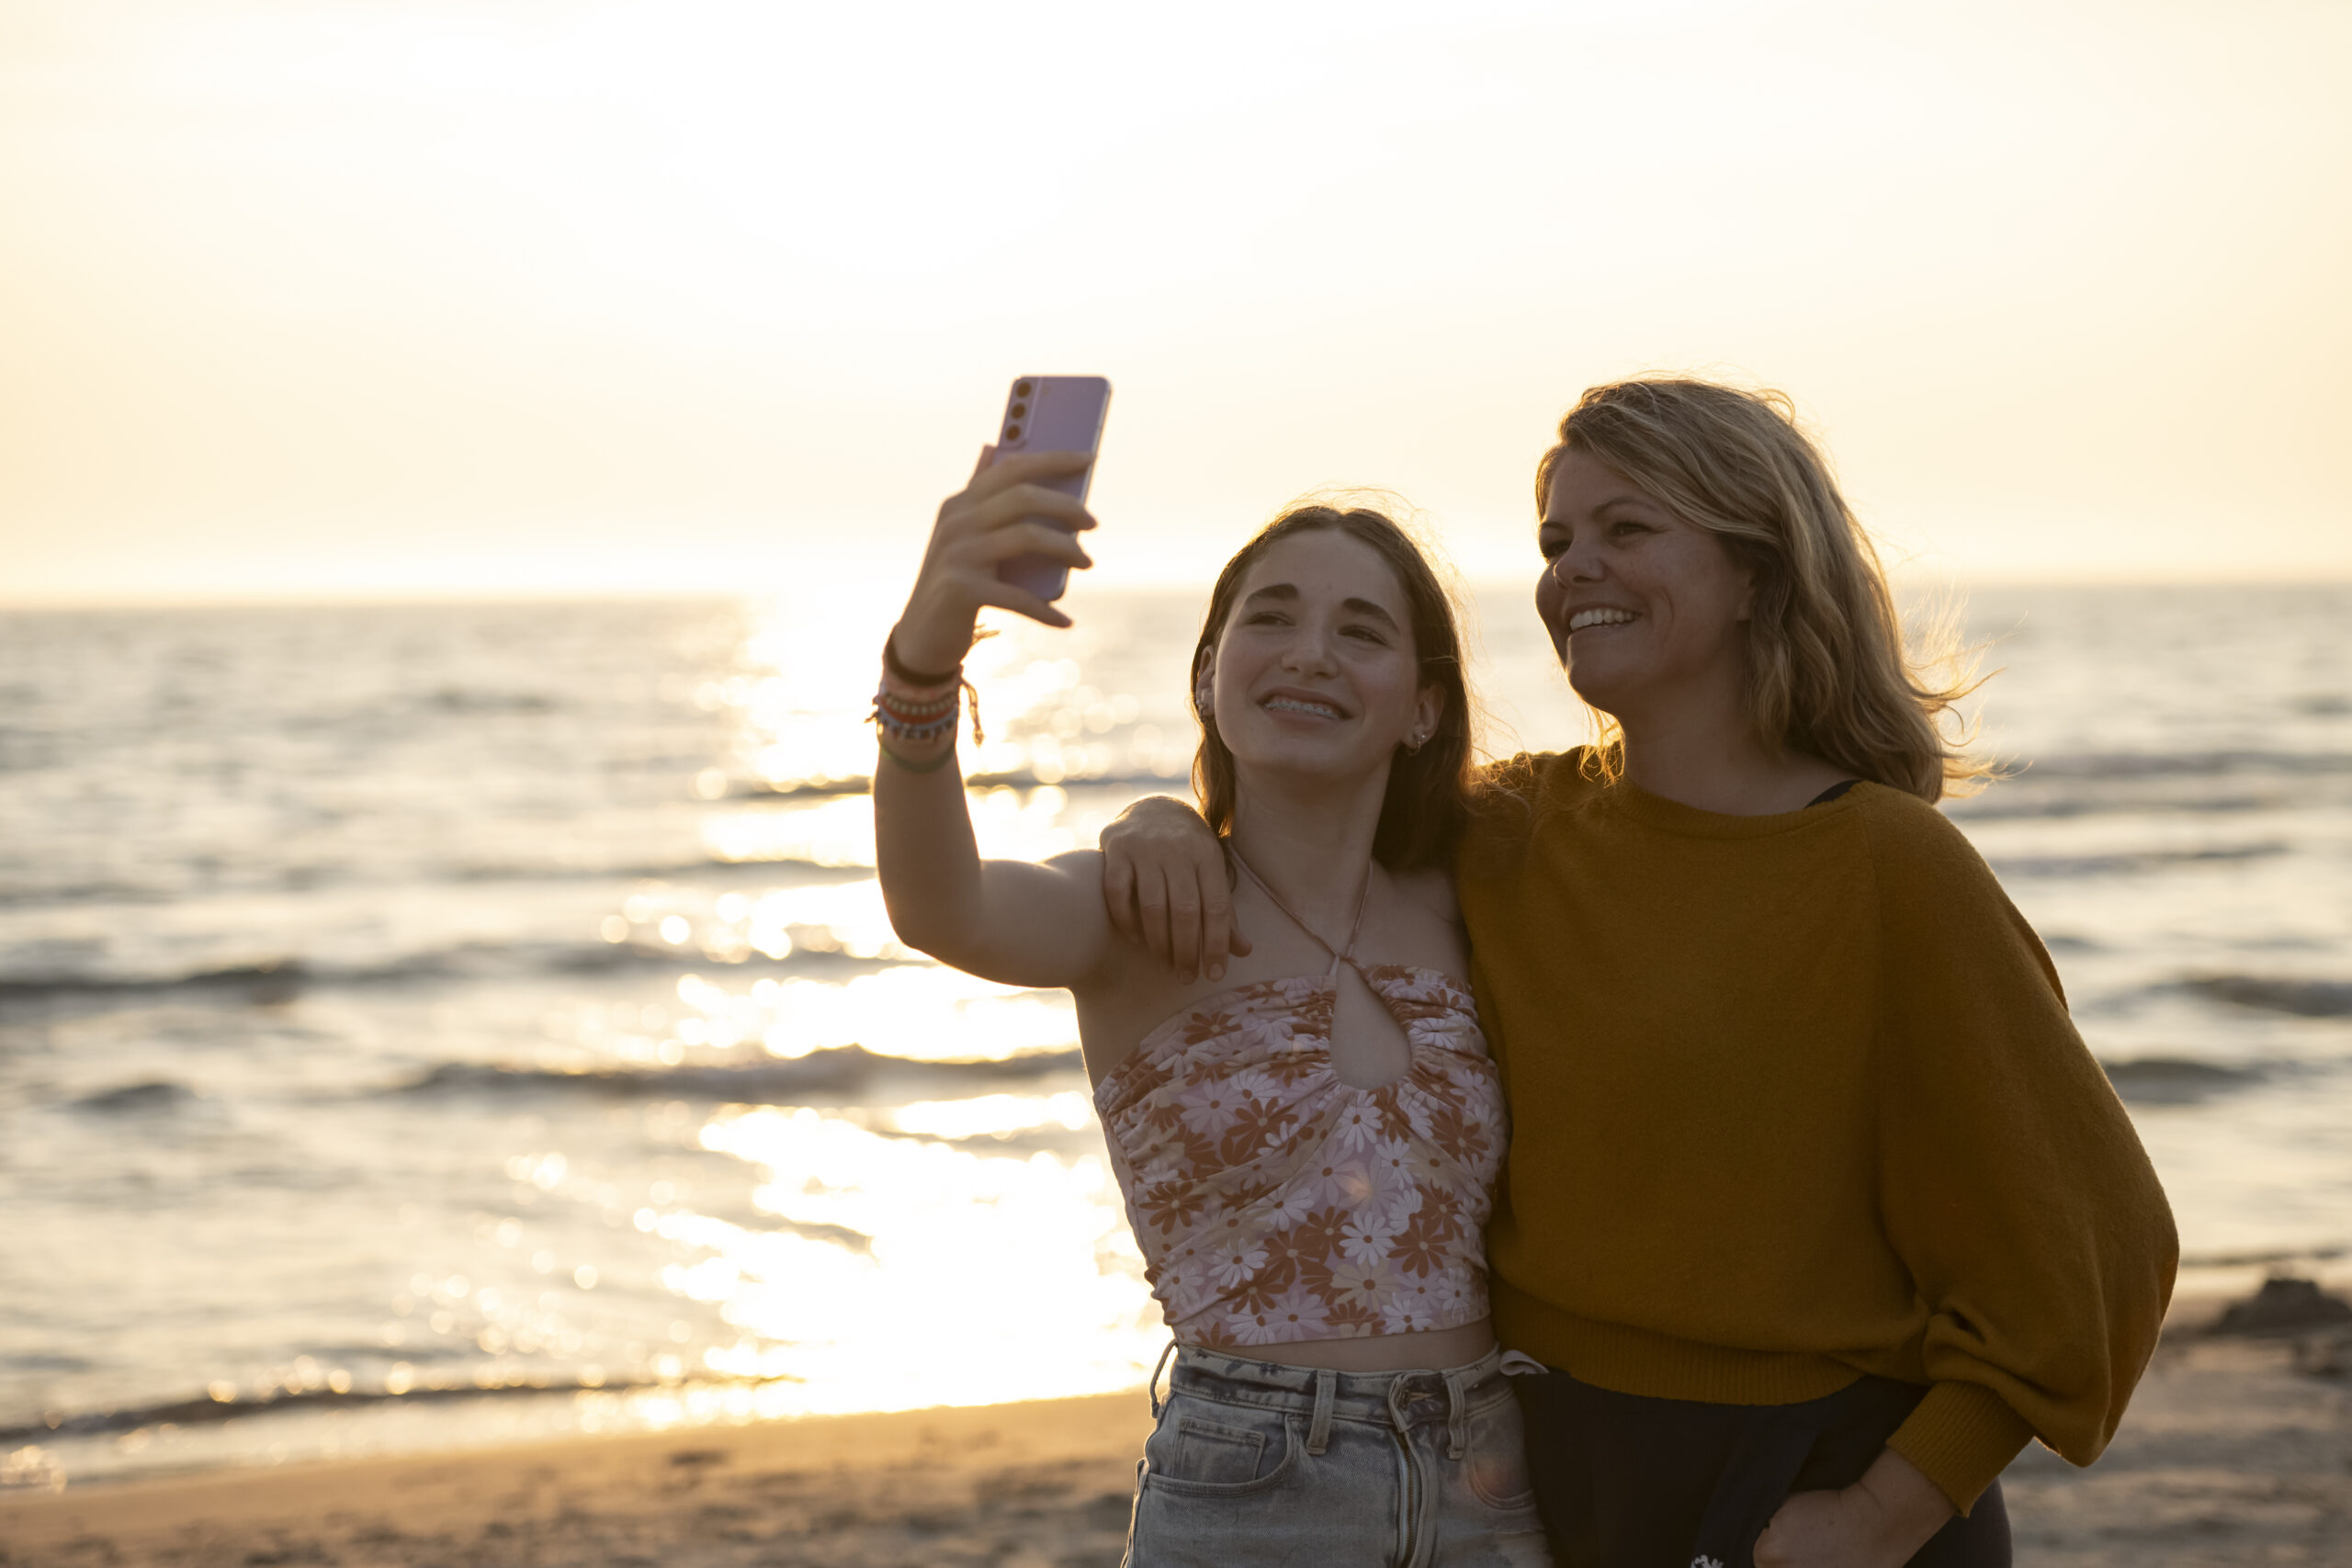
(1275, 1203)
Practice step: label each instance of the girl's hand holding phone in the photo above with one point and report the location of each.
(1000, 514)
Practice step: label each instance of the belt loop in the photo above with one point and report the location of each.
(1151, 1387)
(1318, 1431)
(1457, 1417)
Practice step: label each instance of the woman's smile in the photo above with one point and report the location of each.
(1640, 604)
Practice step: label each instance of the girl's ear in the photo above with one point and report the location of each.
(1428, 711)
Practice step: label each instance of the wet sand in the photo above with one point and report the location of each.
(2235, 1451)
(1034, 1485)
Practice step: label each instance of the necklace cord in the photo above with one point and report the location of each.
(1339, 955)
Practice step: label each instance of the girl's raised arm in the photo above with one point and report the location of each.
(1012, 921)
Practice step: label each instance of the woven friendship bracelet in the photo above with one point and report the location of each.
(905, 701)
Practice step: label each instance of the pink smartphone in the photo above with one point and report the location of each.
(1051, 413)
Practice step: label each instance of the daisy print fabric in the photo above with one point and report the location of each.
(1274, 1202)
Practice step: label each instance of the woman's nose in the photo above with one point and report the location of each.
(1572, 565)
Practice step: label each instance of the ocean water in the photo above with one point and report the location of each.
(437, 1025)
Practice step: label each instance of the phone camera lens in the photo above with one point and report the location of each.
(1012, 433)
(1020, 411)
(1020, 389)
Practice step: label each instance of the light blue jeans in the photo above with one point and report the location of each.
(1256, 1462)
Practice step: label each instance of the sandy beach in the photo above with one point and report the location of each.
(1016, 1484)
(2237, 1450)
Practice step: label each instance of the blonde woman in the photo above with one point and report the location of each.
(1818, 1208)
(1309, 1144)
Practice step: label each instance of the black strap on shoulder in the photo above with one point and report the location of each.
(1832, 793)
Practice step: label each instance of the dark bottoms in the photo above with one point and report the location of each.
(1626, 1481)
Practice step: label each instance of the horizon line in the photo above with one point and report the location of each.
(1902, 578)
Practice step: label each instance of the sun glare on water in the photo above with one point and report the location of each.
(907, 1272)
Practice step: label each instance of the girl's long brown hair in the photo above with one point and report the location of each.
(1429, 790)
(1827, 673)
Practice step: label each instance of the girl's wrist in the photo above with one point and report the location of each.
(912, 673)
(921, 649)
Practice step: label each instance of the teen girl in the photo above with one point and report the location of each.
(1309, 1144)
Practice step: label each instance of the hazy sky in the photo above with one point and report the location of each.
(345, 298)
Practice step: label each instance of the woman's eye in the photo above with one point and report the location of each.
(1550, 546)
(1367, 633)
(1628, 528)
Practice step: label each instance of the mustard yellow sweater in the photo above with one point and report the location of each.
(1795, 1099)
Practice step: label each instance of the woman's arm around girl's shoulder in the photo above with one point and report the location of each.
(2011, 1181)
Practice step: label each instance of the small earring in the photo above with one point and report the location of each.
(1413, 746)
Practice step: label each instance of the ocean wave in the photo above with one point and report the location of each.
(2011, 803)
(2129, 861)
(2184, 764)
(763, 1080)
(1019, 778)
(23, 886)
(2177, 1081)
(153, 1094)
(2196, 783)
(462, 699)
(23, 889)
(2270, 993)
(282, 979)
(697, 868)
(206, 1410)
(2324, 1252)
(2068, 942)
(271, 980)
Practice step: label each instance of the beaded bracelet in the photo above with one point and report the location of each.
(912, 727)
(904, 715)
(921, 712)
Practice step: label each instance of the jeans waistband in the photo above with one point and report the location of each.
(1437, 1396)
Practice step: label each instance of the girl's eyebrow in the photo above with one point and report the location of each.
(1287, 592)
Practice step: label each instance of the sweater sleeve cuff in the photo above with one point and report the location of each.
(1962, 1436)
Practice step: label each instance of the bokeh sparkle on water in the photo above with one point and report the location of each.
(453, 1024)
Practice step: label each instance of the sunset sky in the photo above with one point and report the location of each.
(351, 299)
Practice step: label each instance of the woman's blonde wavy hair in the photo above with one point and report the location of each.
(1827, 673)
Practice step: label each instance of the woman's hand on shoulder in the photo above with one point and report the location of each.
(1165, 888)
(1001, 513)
